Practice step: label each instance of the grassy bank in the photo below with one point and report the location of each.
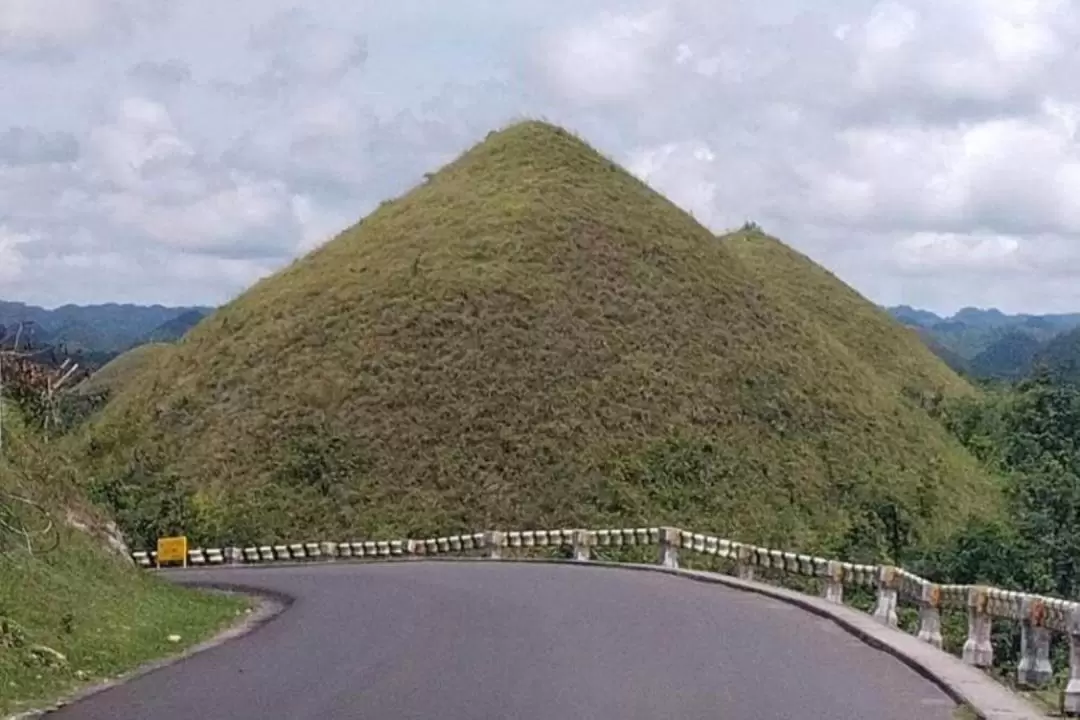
(73, 612)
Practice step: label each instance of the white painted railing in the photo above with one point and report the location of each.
(1038, 615)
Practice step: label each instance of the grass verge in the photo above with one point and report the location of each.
(73, 612)
(74, 618)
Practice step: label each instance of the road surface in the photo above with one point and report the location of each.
(502, 641)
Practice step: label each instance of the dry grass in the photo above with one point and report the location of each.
(864, 329)
(114, 373)
(534, 338)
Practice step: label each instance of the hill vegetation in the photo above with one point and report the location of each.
(534, 337)
(73, 609)
(111, 376)
(822, 300)
(1060, 357)
(1012, 356)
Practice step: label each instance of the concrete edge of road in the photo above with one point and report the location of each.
(965, 684)
(270, 605)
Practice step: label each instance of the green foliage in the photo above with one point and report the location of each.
(120, 369)
(1011, 356)
(71, 611)
(1029, 434)
(1060, 357)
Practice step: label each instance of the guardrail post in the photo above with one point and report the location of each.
(1034, 668)
(234, 555)
(1070, 701)
(494, 541)
(744, 567)
(978, 650)
(669, 547)
(930, 615)
(885, 607)
(582, 541)
(834, 582)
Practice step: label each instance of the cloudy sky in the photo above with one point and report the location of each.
(924, 150)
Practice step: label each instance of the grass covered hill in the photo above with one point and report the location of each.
(854, 325)
(109, 377)
(533, 337)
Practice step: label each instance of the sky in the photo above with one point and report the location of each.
(923, 150)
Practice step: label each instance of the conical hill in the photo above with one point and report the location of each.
(531, 338)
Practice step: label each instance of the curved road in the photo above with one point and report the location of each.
(500, 641)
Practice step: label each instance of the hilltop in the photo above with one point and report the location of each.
(868, 332)
(533, 337)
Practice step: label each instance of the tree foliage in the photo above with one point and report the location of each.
(1028, 434)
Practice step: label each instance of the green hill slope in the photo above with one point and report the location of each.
(1061, 356)
(73, 612)
(1011, 357)
(531, 338)
(894, 354)
(113, 374)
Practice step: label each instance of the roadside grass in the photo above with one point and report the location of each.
(73, 612)
(103, 618)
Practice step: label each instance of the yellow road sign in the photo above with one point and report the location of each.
(172, 549)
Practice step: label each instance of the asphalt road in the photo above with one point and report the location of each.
(500, 641)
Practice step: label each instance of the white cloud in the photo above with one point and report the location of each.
(685, 173)
(999, 175)
(607, 57)
(50, 20)
(318, 225)
(215, 221)
(141, 142)
(12, 261)
(921, 148)
(53, 29)
(944, 251)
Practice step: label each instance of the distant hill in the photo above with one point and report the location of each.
(1061, 356)
(954, 360)
(987, 343)
(174, 328)
(535, 338)
(28, 334)
(861, 327)
(1010, 357)
(109, 328)
(913, 316)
